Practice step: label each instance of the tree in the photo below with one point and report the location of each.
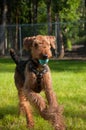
(40, 11)
(29, 11)
(3, 27)
(49, 19)
(66, 11)
(57, 7)
(19, 15)
(35, 10)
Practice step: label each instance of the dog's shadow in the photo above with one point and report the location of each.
(8, 110)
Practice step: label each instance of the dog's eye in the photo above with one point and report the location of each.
(36, 45)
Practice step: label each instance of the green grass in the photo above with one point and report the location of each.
(69, 81)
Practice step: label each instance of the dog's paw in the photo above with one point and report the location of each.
(56, 109)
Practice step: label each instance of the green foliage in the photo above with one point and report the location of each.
(69, 44)
(68, 11)
(22, 11)
(69, 84)
(42, 12)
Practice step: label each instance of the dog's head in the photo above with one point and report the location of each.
(40, 46)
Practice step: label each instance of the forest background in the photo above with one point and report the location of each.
(67, 17)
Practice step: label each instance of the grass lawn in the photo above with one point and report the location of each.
(69, 83)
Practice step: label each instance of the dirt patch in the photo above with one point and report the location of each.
(77, 52)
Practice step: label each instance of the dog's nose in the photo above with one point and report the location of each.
(45, 56)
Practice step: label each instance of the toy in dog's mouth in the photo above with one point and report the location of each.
(43, 62)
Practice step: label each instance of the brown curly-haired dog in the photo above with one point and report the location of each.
(32, 76)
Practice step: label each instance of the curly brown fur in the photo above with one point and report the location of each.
(35, 78)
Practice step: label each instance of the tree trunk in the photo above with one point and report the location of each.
(3, 29)
(49, 19)
(85, 17)
(59, 39)
(30, 11)
(34, 8)
(16, 35)
(10, 28)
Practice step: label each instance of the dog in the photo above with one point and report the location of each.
(33, 76)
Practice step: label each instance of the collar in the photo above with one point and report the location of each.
(37, 69)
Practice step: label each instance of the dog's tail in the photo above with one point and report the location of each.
(14, 56)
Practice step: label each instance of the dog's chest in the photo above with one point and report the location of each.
(36, 74)
(36, 83)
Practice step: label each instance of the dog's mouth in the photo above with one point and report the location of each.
(43, 62)
(43, 59)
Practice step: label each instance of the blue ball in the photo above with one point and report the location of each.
(42, 62)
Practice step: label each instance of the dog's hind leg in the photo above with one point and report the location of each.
(26, 108)
(23, 103)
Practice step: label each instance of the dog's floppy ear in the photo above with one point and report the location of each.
(52, 40)
(27, 42)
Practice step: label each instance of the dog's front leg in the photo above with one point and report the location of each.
(34, 98)
(50, 95)
(54, 112)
